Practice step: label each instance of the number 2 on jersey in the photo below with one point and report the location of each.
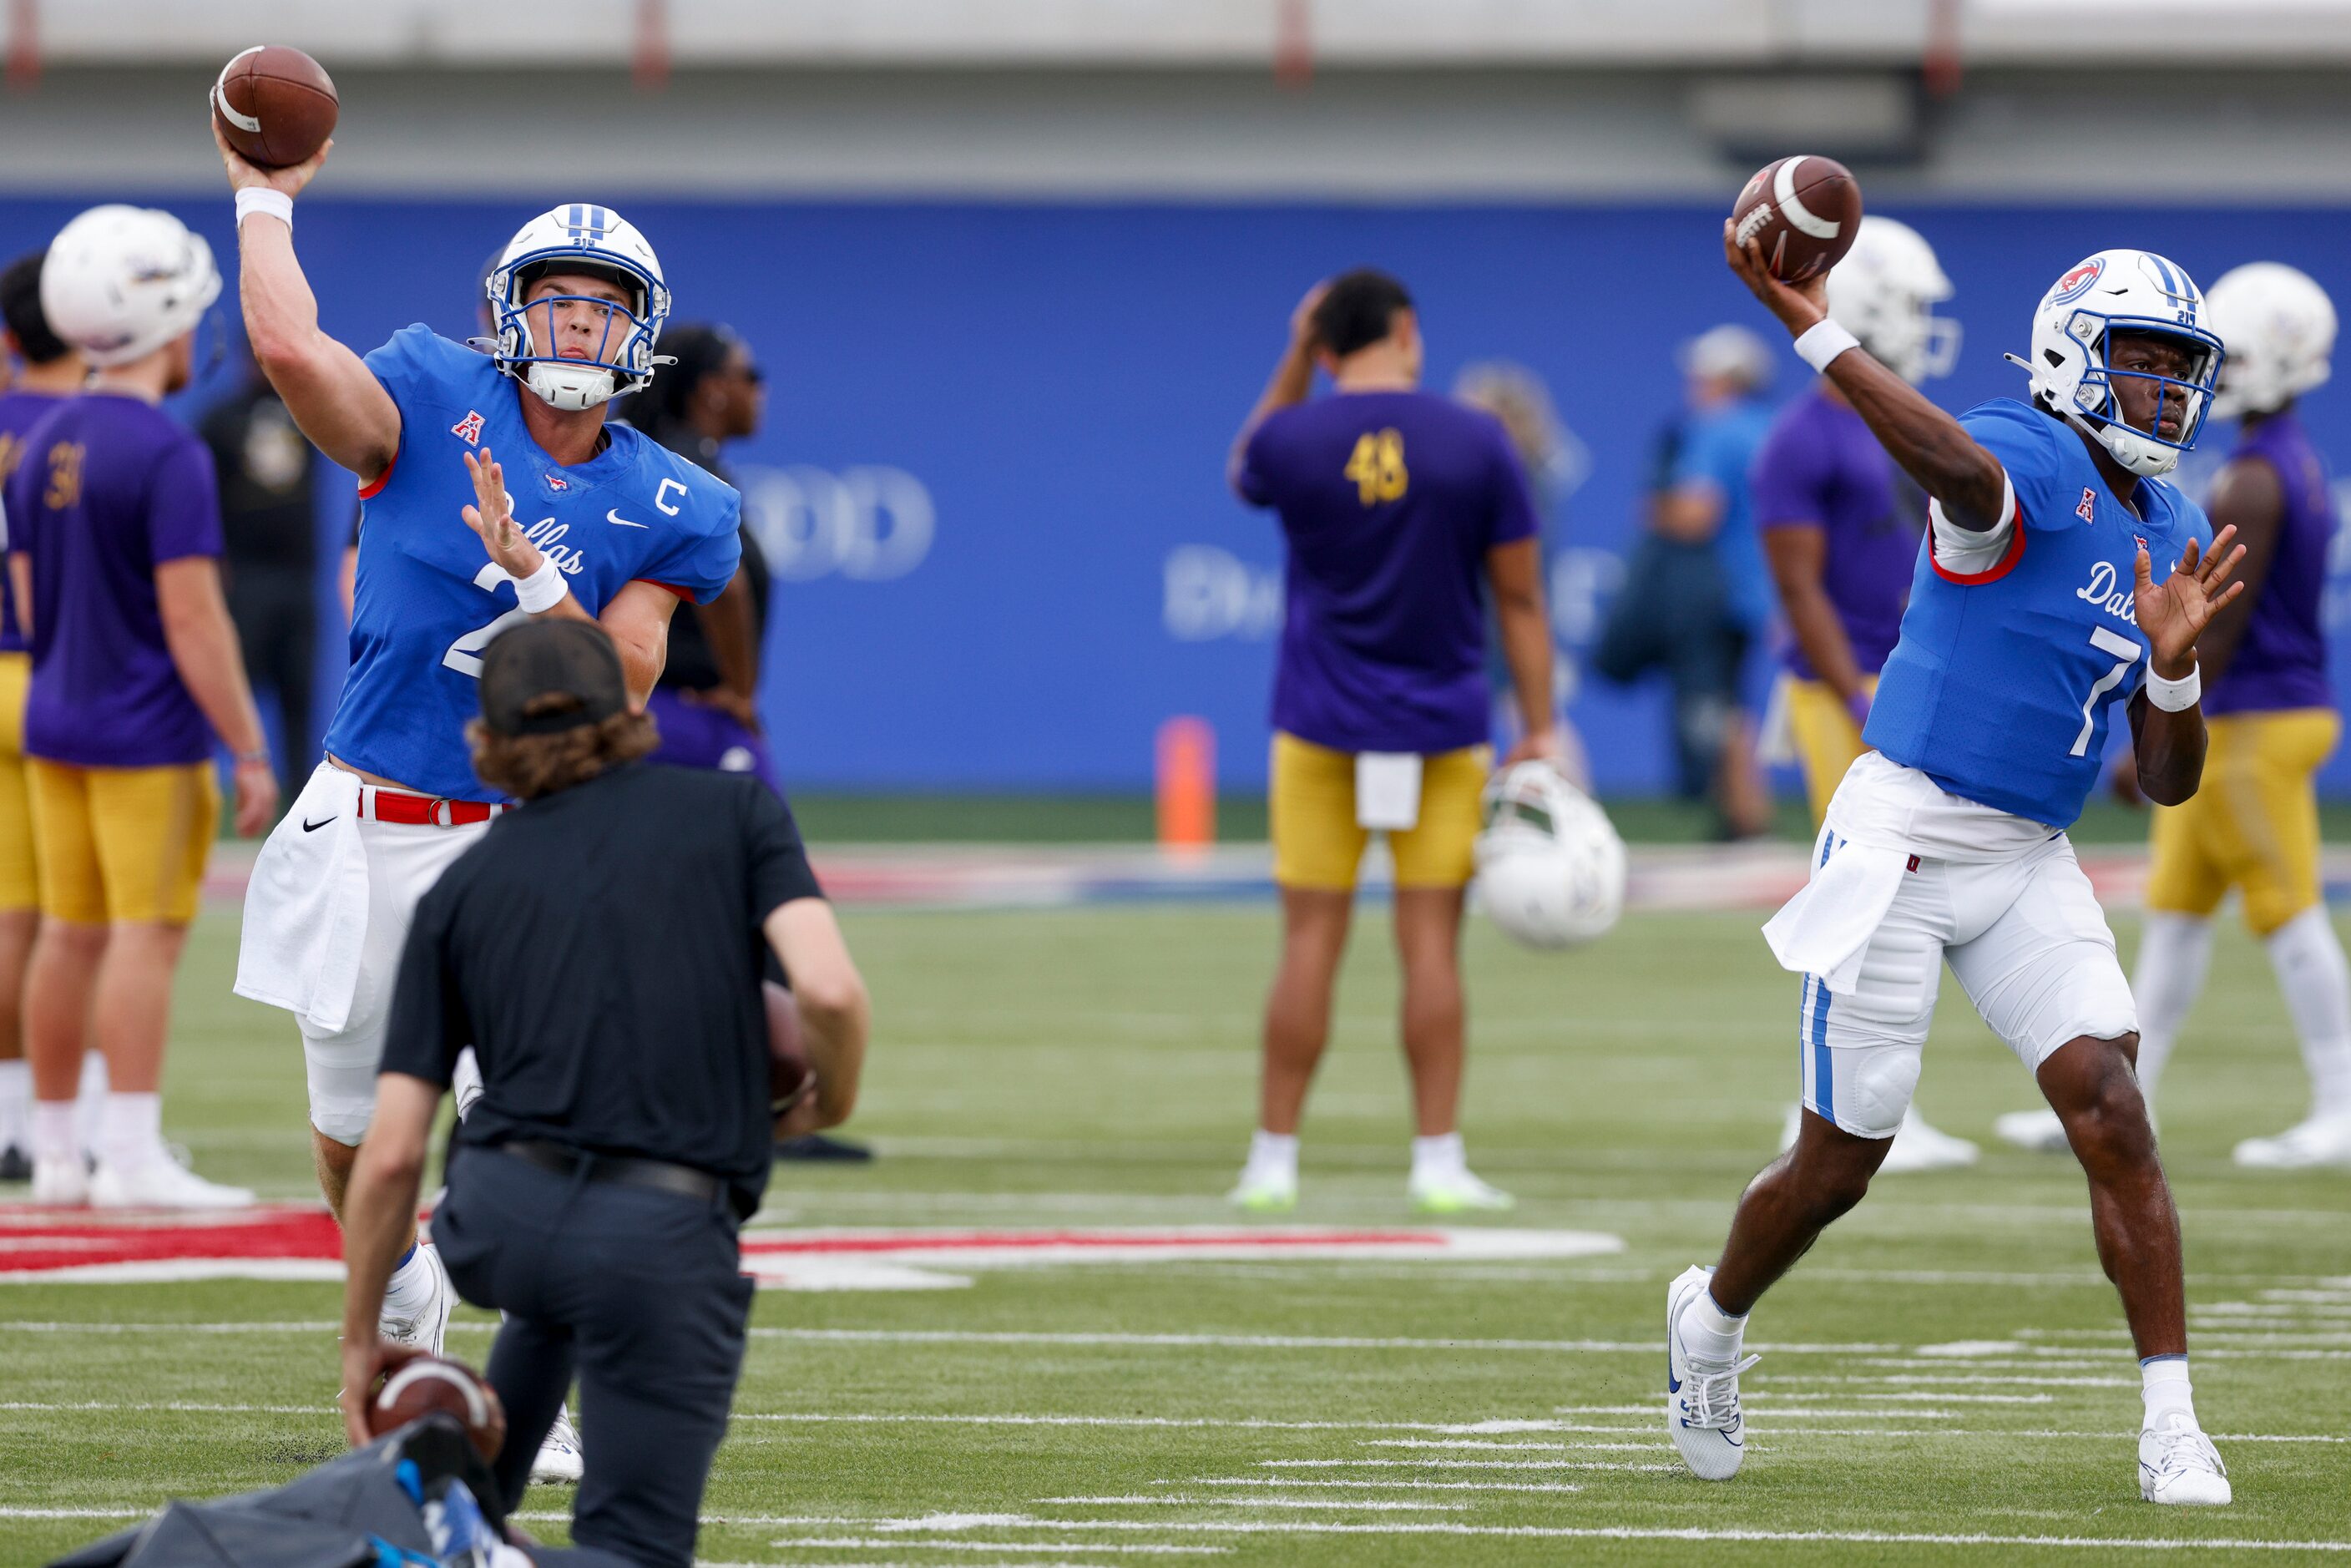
(1378, 467)
(2121, 647)
(464, 655)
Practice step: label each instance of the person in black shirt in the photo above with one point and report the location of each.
(600, 948)
(706, 701)
(268, 521)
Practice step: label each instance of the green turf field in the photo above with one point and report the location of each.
(1946, 1378)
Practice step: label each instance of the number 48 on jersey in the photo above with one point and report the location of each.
(1378, 467)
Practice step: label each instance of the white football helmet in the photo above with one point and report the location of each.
(120, 282)
(2279, 328)
(580, 237)
(2122, 291)
(1885, 293)
(1550, 869)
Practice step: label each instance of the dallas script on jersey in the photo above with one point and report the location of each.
(2102, 592)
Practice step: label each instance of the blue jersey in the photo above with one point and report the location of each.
(2004, 681)
(428, 598)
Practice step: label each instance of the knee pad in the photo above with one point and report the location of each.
(342, 1119)
(1865, 1089)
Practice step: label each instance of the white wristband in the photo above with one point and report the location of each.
(261, 199)
(2175, 696)
(1822, 342)
(543, 589)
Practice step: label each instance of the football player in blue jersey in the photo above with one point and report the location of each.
(2037, 603)
(497, 490)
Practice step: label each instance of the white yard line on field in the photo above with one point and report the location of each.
(1377, 1505)
(903, 1544)
(1677, 1468)
(1397, 1486)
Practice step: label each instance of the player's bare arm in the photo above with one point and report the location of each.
(1798, 555)
(1930, 445)
(638, 617)
(835, 1013)
(1514, 572)
(204, 650)
(333, 395)
(2248, 499)
(1293, 377)
(2170, 746)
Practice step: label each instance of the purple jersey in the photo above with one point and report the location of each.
(19, 412)
(1389, 502)
(1821, 468)
(109, 489)
(2281, 661)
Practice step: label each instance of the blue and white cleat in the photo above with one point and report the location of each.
(1701, 1396)
(2179, 1465)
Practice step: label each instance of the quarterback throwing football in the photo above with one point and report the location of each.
(2061, 574)
(495, 490)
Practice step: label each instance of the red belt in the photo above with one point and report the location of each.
(397, 806)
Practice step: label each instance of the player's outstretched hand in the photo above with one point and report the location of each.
(1799, 306)
(2174, 612)
(1302, 319)
(256, 796)
(245, 175)
(492, 518)
(367, 1363)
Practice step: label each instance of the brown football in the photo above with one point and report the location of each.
(275, 105)
(433, 1383)
(1803, 211)
(790, 1078)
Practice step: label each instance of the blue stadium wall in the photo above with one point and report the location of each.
(994, 447)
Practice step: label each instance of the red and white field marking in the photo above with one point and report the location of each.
(301, 1242)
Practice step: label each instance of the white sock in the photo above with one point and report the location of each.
(1708, 1333)
(130, 1130)
(2174, 950)
(90, 1101)
(410, 1287)
(2163, 1380)
(1273, 1154)
(2316, 980)
(54, 1141)
(16, 1103)
(1438, 1157)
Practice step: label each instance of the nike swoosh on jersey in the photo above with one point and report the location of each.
(618, 521)
(310, 827)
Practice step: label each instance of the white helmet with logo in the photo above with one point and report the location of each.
(120, 282)
(1550, 869)
(2279, 327)
(2121, 292)
(580, 237)
(1885, 293)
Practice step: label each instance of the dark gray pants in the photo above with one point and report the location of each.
(637, 1293)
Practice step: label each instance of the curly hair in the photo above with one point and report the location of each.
(529, 766)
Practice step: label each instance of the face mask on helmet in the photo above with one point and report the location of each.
(541, 327)
(2098, 399)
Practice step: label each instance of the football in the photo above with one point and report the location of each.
(1803, 212)
(790, 1078)
(275, 106)
(430, 1384)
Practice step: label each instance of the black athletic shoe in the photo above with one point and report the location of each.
(817, 1146)
(14, 1165)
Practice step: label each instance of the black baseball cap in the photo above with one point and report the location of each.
(573, 660)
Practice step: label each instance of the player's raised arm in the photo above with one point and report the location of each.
(331, 394)
(1293, 379)
(1932, 448)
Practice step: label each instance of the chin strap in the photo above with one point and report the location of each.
(563, 387)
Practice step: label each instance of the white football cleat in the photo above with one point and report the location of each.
(1265, 1192)
(1922, 1146)
(2179, 1465)
(560, 1460)
(2317, 1141)
(1701, 1396)
(428, 1327)
(2038, 1132)
(61, 1184)
(1457, 1191)
(161, 1182)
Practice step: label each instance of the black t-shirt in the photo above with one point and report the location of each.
(264, 465)
(600, 949)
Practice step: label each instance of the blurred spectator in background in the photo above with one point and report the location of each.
(706, 703)
(1696, 594)
(46, 370)
(270, 524)
(1518, 397)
